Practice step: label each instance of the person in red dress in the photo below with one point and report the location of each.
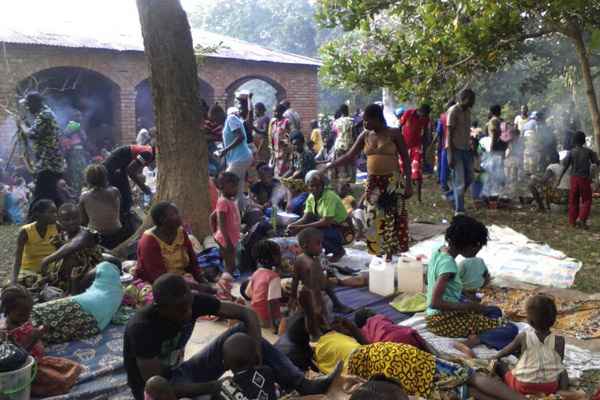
(416, 125)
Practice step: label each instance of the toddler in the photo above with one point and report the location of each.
(474, 275)
(55, 376)
(540, 368)
(225, 223)
(264, 287)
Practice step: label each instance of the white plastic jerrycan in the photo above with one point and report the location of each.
(381, 277)
(409, 273)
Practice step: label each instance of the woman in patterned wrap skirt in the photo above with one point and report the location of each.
(386, 191)
(85, 315)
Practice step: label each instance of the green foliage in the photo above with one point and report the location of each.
(279, 24)
(202, 51)
(430, 49)
(287, 25)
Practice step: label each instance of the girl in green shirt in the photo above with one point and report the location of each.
(449, 314)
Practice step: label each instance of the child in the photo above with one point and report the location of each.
(265, 285)
(476, 151)
(448, 314)
(249, 380)
(312, 280)
(55, 376)
(34, 243)
(580, 159)
(540, 368)
(226, 225)
(474, 275)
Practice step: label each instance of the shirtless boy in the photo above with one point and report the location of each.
(312, 280)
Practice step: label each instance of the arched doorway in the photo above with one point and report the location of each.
(264, 90)
(78, 93)
(144, 106)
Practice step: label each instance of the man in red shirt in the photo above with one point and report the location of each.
(415, 125)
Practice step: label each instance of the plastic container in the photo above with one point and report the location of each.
(409, 273)
(16, 385)
(381, 277)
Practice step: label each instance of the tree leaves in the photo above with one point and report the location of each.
(431, 48)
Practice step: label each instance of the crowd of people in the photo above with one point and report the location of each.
(270, 177)
(511, 163)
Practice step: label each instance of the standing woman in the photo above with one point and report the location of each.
(343, 142)
(237, 152)
(261, 128)
(387, 234)
(49, 162)
(280, 141)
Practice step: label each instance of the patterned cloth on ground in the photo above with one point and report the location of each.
(413, 369)
(457, 324)
(65, 321)
(576, 317)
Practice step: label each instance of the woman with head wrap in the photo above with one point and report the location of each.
(73, 142)
(325, 211)
(387, 231)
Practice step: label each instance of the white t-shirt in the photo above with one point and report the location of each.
(557, 169)
(520, 122)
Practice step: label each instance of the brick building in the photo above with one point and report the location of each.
(106, 77)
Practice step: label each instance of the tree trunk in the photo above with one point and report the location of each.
(181, 147)
(586, 72)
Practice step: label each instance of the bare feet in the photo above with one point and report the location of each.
(466, 347)
(466, 350)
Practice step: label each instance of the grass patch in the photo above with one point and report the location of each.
(550, 227)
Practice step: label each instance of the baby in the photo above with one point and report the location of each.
(474, 275)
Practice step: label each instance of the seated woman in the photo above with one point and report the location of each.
(325, 211)
(167, 248)
(78, 251)
(100, 206)
(86, 314)
(419, 373)
(448, 313)
(34, 243)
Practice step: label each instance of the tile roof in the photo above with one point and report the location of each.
(67, 35)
